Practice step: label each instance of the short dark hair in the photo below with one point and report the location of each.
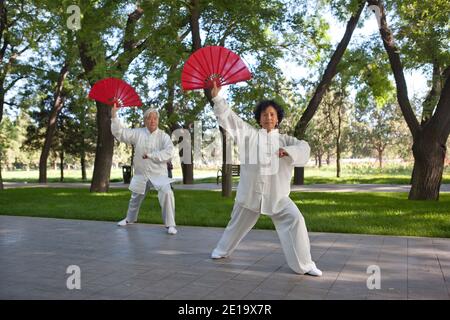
(263, 105)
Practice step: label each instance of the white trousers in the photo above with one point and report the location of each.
(166, 201)
(291, 230)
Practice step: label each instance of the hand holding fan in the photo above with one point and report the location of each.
(113, 90)
(213, 64)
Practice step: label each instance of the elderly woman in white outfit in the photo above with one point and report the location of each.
(153, 149)
(267, 161)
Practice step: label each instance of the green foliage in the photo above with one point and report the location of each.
(423, 30)
(367, 69)
(342, 9)
(8, 134)
(264, 33)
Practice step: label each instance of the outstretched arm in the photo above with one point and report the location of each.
(227, 118)
(121, 133)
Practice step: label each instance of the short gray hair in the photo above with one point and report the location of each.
(150, 110)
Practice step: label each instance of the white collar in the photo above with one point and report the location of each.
(264, 131)
(152, 133)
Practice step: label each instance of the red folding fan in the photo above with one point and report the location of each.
(213, 64)
(112, 90)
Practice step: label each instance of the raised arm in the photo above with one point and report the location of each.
(227, 118)
(121, 133)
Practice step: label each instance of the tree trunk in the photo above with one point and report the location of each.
(380, 158)
(58, 103)
(338, 158)
(104, 150)
(188, 173)
(1, 178)
(227, 178)
(2, 99)
(83, 146)
(194, 7)
(299, 176)
(338, 139)
(431, 99)
(61, 166)
(429, 158)
(83, 165)
(195, 25)
(320, 160)
(429, 138)
(187, 169)
(327, 77)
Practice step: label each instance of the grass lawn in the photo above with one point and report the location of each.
(390, 174)
(75, 175)
(369, 213)
(353, 175)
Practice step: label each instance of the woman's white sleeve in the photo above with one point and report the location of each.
(298, 150)
(229, 120)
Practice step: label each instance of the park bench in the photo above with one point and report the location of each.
(235, 171)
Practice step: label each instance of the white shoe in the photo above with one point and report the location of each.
(315, 272)
(172, 230)
(214, 255)
(123, 223)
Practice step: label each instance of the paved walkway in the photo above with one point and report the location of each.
(216, 187)
(143, 262)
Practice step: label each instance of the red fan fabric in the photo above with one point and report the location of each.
(213, 64)
(111, 90)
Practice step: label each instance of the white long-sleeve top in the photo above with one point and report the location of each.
(158, 148)
(265, 180)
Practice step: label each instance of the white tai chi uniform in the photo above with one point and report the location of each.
(264, 188)
(158, 148)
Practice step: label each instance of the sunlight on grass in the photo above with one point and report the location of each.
(107, 195)
(61, 194)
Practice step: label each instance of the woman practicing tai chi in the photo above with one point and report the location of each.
(267, 162)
